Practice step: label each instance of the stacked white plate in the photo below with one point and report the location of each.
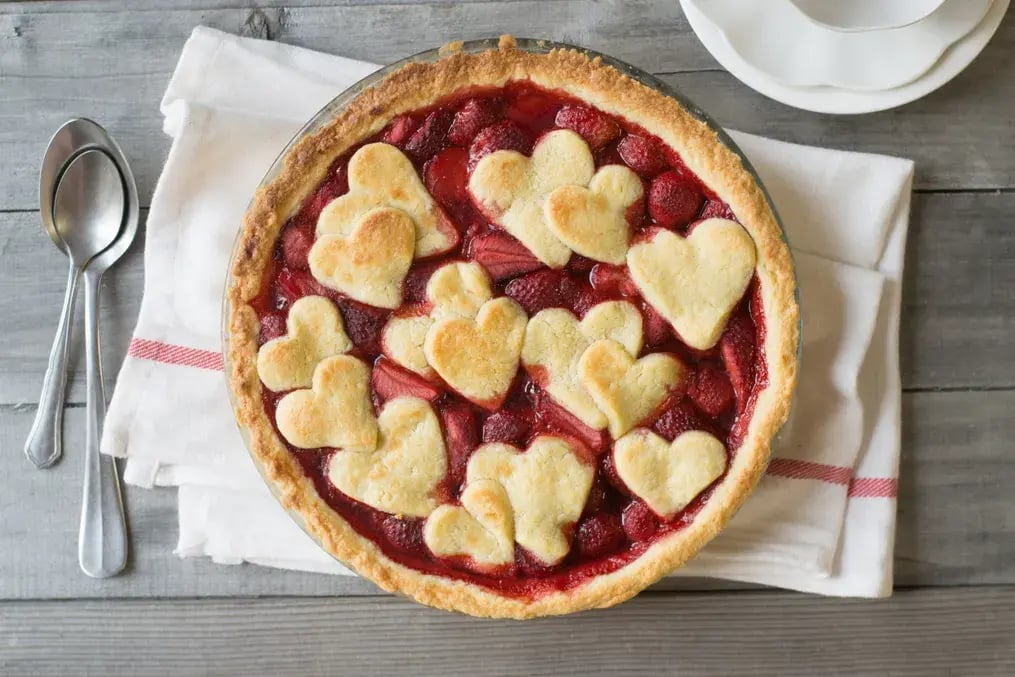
(788, 50)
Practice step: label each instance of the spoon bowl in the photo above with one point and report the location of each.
(73, 137)
(88, 207)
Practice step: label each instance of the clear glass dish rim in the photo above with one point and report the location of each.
(333, 107)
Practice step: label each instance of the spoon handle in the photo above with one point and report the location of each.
(102, 539)
(44, 445)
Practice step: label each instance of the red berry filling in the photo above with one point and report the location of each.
(389, 381)
(674, 199)
(640, 523)
(503, 256)
(596, 128)
(542, 289)
(505, 135)
(461, 439)
(643, 154)
(430, 137)
(398, 132)
(474, 115)
(445, 142)
(599, 534)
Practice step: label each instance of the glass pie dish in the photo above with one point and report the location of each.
(554, 587)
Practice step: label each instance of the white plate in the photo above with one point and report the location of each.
(866, 15)
(834, 100)
(776, 37)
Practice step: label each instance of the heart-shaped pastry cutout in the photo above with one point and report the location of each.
(335, 412)
(370, 264)
(593, 221)
(547, 485)
(380, 175)
(402, 341)
(314, 332)
(401, 475)
(667, 476)
(511, 189)
(479, 358)
(481, 528)
(458, 289)
(626, 390)
(555, 340)
(695, 282)
(454, 290)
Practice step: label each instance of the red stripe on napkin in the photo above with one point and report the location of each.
(859, 487)
(874, 487)
(167, 353)
(807, 470)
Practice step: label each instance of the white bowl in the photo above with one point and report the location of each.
(844, 101)
(776, 38)
(866, 15)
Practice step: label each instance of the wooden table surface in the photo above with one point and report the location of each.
(955, 552)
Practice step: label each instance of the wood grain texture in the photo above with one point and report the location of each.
(114, 66)
(956, 517)
(765, 633)
(958, 310)
(33, 275)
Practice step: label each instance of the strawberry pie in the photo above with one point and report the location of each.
(513, 333)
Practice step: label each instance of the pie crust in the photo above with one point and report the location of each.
(417, 86)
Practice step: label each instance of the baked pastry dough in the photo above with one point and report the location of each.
(314, 332)
(401, 475)
(695, 282)
(627, 390)
(479, 358)
(335, 412)
(555, 341)
(457, 289)
(547, 486)
(369, 264)
(481, 528)
(668, 475)
(512, 189)
(380, 175)
(593, 221)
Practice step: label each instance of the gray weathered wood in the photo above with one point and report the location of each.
(59, 64)
(958, 310)
(921, 632)
(958, 314)
(956, 519)
(33, 274)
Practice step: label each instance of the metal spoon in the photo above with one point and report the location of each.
(102, 537)
(88, 214)
(44, 445)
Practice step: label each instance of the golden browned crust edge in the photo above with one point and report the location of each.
(418, 85)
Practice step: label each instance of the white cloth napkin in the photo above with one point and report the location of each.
(822, 519)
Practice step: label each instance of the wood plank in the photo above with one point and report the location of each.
(114, 66)
(957, 315)
(33, 276)
(958, 312)
(96, 6)
(919, 632)
(956, 518)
